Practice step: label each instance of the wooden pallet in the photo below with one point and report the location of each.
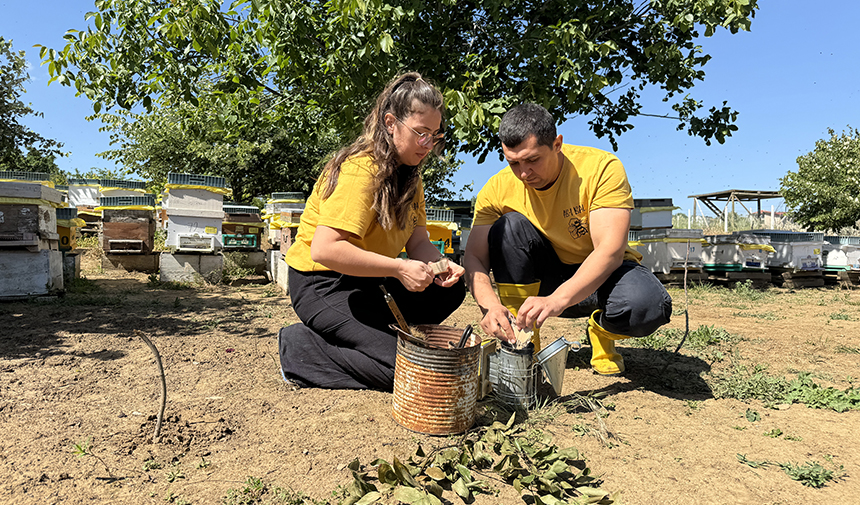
(675, 278)
(759, 280)
(796, 279)
(844, 278)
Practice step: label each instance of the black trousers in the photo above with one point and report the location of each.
(633, 300)
(344, 340)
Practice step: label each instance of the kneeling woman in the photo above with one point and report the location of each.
(366, 206)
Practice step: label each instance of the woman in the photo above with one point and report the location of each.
(367, 204)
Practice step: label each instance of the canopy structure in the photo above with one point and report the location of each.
(710, 200)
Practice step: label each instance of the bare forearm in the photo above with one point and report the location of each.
(591, 275)
(346, 258)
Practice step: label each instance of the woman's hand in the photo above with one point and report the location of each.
(414, 275)
(449, 278)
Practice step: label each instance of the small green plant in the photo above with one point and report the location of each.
(693, 406)
(235, 267)
(744, 290)
(752, 416)
(203, 463)
(793, 438)
(85, 448)
(810, 474)
(159, 241)
(175, 473)
(774, 433)
(271, 290)
(151, 464)
(841, 316)
(766, 316)
(88, 242)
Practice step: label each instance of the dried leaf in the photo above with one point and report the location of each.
(369, 498)
(462, 489)
(354, 465)
(435, 473)
(434, 489)
(386, 474)
(403, 474)
(408, 494)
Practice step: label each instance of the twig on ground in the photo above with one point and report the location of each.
(157, 435)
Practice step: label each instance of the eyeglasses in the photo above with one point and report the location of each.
(425, 139)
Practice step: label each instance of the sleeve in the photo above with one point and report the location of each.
(350, 206)
(612, 189)
(487, 204)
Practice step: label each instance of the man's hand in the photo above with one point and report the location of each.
(537, 309)
(496, 323)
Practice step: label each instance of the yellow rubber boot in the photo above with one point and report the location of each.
(512, 297)
(604, 359)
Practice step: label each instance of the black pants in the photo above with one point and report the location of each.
(344, 340)
(633, 300)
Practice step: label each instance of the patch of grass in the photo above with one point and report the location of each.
(744, 290)
(810, 474)
(743, 383)
(159, 242)
(842, 316)
(256, 491)
(700, 289)
(90, 242)
(767, 316)
(844, 349)
(235, 267)
(705, 336)
(774, 433)
(153, 282)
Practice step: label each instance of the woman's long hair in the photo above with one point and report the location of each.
(393, 189)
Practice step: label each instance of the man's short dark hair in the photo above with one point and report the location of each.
(523, 121)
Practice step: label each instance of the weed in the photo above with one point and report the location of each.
(810, 474)
(844, 349)
(745, 291)
(271, 290)
(203, 463)
(774, 433)
(251, 492)
(841, 316)
(739, 428)
(159, 241)
(175, 473)
(89, 242)
(698, 290)
(752, 416)
(693, 406)
(793, 438)
(705, 336)
(151, 464)
(85, 448)
(767, 316)
(235, 267)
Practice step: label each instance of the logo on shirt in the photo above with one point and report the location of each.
(576, 228)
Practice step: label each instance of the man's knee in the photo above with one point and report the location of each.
(638, 309)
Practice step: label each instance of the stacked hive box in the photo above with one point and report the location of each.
(193, 206)
(84, 196)
(68, 224)
(797, 260)
(441, 229)
(672, 254)
(242, 227)
(651, 213)
(128, 225)
(284, 213)
(30, 260)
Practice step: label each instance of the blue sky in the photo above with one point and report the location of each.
(791, 78)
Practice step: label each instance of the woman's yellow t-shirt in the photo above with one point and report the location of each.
(590, 179)
(349, 208)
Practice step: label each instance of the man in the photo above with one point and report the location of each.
(552, 226)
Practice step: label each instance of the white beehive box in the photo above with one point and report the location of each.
(24, 273)
(794, 250)
(651, 213)
(736, 252)
(667, 250)
(205, 226)
(192, 200)
(84, 192)
(841, 253)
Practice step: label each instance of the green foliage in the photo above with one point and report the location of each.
(821, 194)
(255, 490)
(841, 316)
(20, 147)
(743, 383)
(235, 267)
(811, 474)
(269, 61)
(521, 456)
(744, 290)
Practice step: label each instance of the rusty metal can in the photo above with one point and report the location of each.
(435, 386)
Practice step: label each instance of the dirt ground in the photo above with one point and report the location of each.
(72, 372)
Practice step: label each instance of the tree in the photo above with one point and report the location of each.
(328, 59)
(824, 193)
(20, 147)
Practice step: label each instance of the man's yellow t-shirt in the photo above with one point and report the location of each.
(350, 208)
(590, 179)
